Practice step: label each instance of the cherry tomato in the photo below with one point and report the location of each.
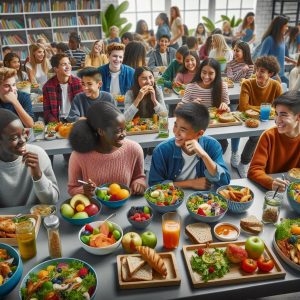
(249, 265)
(200, 251)
(265, 264)
(51, 296)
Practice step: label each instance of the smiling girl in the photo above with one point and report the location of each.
(190, 66)
(97, 57)
(102, 154)
(12, 60)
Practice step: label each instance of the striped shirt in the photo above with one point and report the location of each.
(184, 78)
(79, 55)
(194, 91)
(234, 70)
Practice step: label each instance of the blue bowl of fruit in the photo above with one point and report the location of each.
(80, 210)
(11, 269)
(206, 206)
(60, 278)
(140, 216)
(293, 196)
(164, 197)
(113, 195)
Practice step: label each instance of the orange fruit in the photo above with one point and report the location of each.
(122, 194)
(80, 207)
(114, 188)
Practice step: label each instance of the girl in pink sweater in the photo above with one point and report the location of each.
(102, 155)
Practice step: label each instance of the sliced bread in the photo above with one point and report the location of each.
(199, 233)
(251, 224)
(134, 263)
(142, 274)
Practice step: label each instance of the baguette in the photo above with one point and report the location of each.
(153, 259)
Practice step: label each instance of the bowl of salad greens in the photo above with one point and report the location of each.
(207, 206)
(60, 278)
(293, 196)
(164, 197)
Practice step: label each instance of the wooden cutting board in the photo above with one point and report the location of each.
(216, 123)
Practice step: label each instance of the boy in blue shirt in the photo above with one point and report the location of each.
(191, 160)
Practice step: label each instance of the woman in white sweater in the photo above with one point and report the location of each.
(220, 49)
(295, 77)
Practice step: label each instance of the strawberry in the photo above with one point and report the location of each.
(201, 212)
(200, 251)
(147, 216)
(113, 198)
(83, 272)
(211, 269)
(138, 219)
(143, 219)
(160, 204)
(89, 228)
(166, 203)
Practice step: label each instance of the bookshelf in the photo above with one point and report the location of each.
(22, 22)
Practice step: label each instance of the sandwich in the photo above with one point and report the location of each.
(251, 113)
(226, 117)
(199, 233)
(251, 224)
(252, 123)
(143, 273)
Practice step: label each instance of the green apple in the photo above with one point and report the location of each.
(101, 193)
(67, 210)
(149, 239)
(146, 209)
(131, 240)
(80, 215)
(117, 234)
(110, 226)
(255, 247)
(96, 231)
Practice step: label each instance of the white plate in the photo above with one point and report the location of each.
(227, 239)
(284, 258)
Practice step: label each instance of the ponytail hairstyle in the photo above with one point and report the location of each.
(84, 136)
(216, 93)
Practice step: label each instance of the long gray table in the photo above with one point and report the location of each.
(106, 267)
(61, 146)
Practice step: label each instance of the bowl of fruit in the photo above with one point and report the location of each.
(293, 196)
(100, 238)
(164, 197)
(206, 206)
(11, 269)
(60, 278)
(80, 210)
(140, 216)
(239, 198)
(113, 195)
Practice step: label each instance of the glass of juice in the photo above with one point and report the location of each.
(26, 239)
(171, 230)
(265, 110)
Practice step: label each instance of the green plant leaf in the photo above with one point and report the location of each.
(191, 32)
(122, 7)
(225, 18)
(109, 15)
(104, 23)
(232, 23)
(120, 22)
(238, 22)
(126, 28)
(209, 24)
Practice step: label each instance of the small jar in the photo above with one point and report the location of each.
(54, 244)
(271, 207)
(163, 125)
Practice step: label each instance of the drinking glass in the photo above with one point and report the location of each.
(171, 230)
(265, 110)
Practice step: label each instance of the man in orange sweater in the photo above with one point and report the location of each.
(278, 149)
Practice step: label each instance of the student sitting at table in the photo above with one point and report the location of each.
(254, 92)
(192, 43)
(91, 83)
(113, 35)
(14, 100)
(76, 55)
(60, 90)
(144, 99)
(96, 57)
(220, 49)
(25, 170)
(208, 88)
(102, 155)
(117, 78)
(171, 71)
(191, 159)
(163, 54)
(12, 60)
(38, 65)
(242, 65)
(189, 68)
(278, 149)
(294, 77)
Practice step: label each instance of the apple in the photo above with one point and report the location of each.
(149, 239)
(67, 210)
(254, 246)
(91, 209)
(131, 240)
(80, 215)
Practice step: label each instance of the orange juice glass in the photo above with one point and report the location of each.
(171, 230)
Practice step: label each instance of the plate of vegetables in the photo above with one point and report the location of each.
(61, 278)
(206, 206)
(164, 197)
(287, 242)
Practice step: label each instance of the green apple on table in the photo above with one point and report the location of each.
(149, 239)
(255, 247)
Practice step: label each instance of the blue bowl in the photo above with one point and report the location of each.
(290, 192)
(206, 219)
(85, 220)
(113, 204)
(163, 209)
(234, 206)
(44, 265)
(13, 281)
(142, 224)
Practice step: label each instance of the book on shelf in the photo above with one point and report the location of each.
(11, 24)
(35, 6)
(36, 23)
(61, 36)
(88, 35)
(12, 40)
(32, 38)
(11, 7)
(63, 5)
(87, 4)
(88, 20)
(64, 21)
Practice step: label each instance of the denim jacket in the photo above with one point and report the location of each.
(167, 162)
(125, 78)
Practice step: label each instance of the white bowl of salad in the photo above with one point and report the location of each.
(207, 206)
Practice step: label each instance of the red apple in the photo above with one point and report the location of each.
(130, 240)
(91, 209)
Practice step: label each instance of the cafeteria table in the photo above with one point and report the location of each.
(106, 266)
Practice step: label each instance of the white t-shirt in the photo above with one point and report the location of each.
(164, 58)
(174, 30)
(189, 167)
(65, 101)
(40, 75)
(114, 84)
